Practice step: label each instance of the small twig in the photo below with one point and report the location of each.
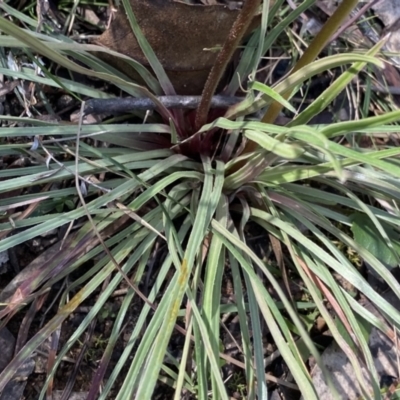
(88, 214)
(354, 16)
(129, 104)
(395, 90)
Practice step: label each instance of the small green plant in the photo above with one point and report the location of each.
(194, 181)
(106, 313)
(237, 383)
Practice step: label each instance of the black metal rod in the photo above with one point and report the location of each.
(130, 104)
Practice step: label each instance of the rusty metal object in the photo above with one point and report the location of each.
(181, 35)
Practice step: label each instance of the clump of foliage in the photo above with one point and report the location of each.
(198, 195)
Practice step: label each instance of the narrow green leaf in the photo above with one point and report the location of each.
(281, 149)
(367, 235)
(148, 51)
(273, 95)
